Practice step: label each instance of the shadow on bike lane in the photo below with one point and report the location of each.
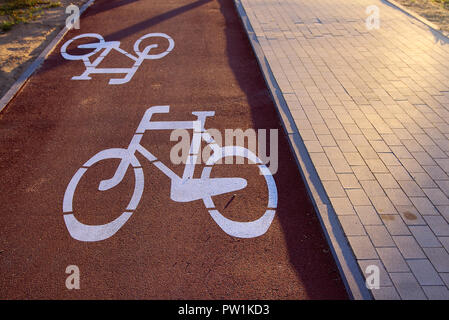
(166, 249)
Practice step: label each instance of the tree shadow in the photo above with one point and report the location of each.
(109, 5)
(309, 253)
(156, 20)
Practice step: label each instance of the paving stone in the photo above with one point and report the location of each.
(389, 159)
(423, 180)
(424, 272)
(342, 206)
(439, 258)
(346, 146)
(349, 181)
(445, 242)
(372, 188)
(352, 226)
(435, 152)
(380, 146)
(367, 152)
(444, 186)
(386, 293)
(408, 247)
(368, 215)
(407, 286)
(424, 206)
(399, 173)
(354, 159)
(313, 146)
(395, 224)
(437, 197)
(334, 189)
(376, 166)
(362, 173)
(320, 159)
(392, 260)
(436, 292)
(410, 215)
(326, 173)
(438, 225)
(386, 180)
(425, 236)
(358, 197)
(444, 210)
(412, 145)
(411, 165)
(411, 188)
(443, 163)
(445, 277)
(379, 236)
(436, 173)
(383, 205)
(398, 197)
(326, 140)
(362, 247)
(401, 152)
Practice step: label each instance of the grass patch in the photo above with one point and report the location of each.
(443, 3)
(13, 12)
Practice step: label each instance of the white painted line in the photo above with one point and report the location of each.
(35, 65)
(250, 229)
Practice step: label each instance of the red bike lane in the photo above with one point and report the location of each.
(166, 249)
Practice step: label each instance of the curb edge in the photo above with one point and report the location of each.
(343, 255)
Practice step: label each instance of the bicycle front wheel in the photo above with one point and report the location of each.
(250, 229)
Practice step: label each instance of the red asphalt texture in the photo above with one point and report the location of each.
(167, 250)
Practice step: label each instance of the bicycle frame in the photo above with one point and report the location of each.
(185, 188)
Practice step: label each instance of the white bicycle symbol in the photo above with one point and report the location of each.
(91, 67)
(183, 189)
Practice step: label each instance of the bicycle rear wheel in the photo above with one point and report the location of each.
(91, 233)
(84, 56)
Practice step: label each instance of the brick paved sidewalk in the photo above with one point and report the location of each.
(372, 108)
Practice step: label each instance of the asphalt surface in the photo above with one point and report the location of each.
(167, 249)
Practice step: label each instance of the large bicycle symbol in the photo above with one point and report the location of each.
(183, 189)
(91, 67)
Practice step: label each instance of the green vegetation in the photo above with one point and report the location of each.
(13, 12)
(443, 3)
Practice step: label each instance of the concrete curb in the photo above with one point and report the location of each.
(10, 94)
(342, 252)
(417, 17)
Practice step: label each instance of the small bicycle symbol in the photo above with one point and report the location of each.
(91, 67)
(183, 189)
